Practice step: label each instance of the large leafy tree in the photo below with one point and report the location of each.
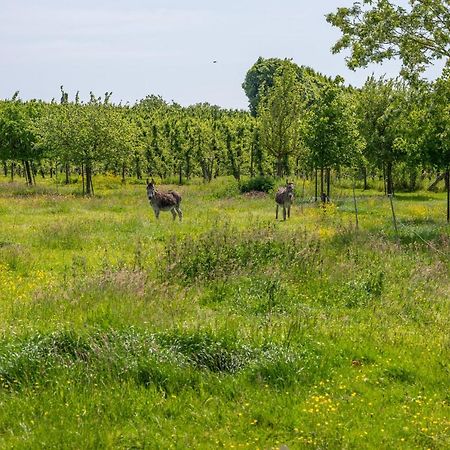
(438, 132)
(17, 137)
(260, 78)
(87, 134)
(332, 134)
(376, 30)
(281, 112)
(380, 108)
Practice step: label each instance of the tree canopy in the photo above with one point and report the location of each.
(376, 30)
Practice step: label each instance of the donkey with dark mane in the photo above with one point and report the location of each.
(164, 201)
(285, 197)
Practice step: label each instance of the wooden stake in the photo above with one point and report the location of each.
(356, 206)
(393, 213)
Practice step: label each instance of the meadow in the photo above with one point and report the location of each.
(227, 330)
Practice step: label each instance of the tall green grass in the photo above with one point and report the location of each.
(226, 330)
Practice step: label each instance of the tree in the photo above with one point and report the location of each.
(17, 137)
(87, 134)
(380, 105)
(280, 114)
(261, 76)
(332, 134)
(438, 132)
(237, 135)
(376, 30)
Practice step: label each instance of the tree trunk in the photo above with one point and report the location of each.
(33, 173)
(389, 181)
(5, 168)
(88, 170)
(436, 181)
(316, 183)
(138, 169)
(123, 173)
(180, 174)
(366, 186)
(28, 175)
(279, 166)
(12, 171)
(447, 179)
(321, 183)
(67, 170)
(328, 175)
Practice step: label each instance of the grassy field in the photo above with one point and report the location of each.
(228, 330)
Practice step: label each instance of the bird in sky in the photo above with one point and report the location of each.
(215, 61)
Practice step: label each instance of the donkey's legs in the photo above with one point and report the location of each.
(276, 214)
(156, 211)
(180, 214)
(284, 212)
(174, 214)
(289, 211)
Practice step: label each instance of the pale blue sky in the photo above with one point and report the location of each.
(138, 47)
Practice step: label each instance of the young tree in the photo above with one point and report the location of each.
(87, 134)
(380, 105)
(332, 134)
(17, 137)
(438, 132)
(281, 112)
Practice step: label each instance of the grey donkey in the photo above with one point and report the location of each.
(285, 197)
(164, 201)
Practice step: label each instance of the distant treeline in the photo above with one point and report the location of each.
(300, 123)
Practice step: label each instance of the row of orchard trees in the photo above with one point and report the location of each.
(151, 138)
(299, 122)
(320, 124)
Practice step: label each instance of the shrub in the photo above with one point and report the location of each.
(260, 184)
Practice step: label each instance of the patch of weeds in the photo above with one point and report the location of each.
(399, 374)
(363, 290)
(62, 235)
(224, 251)
(167, 360)
(255, 295)
(16, 257)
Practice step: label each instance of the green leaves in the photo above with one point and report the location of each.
(280, 115)
(378, 30)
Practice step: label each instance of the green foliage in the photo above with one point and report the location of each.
(259, 184)
(281, 116)
(260, 79)
(332, 135)
(378, 30)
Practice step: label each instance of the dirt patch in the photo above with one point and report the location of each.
(255, 194)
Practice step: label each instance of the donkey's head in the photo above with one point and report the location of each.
(289, 186)
(151, 190)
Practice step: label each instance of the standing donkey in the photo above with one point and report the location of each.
(285, 197)
(164, 201)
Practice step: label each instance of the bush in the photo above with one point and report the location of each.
(260, 184)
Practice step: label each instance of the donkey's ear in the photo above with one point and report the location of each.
(287, 181)
(147, 181)
(153, 181)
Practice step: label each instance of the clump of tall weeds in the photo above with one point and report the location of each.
(224, 251)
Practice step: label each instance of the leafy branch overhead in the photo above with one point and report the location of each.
(378, 30)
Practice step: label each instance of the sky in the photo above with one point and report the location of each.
(136, 48)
